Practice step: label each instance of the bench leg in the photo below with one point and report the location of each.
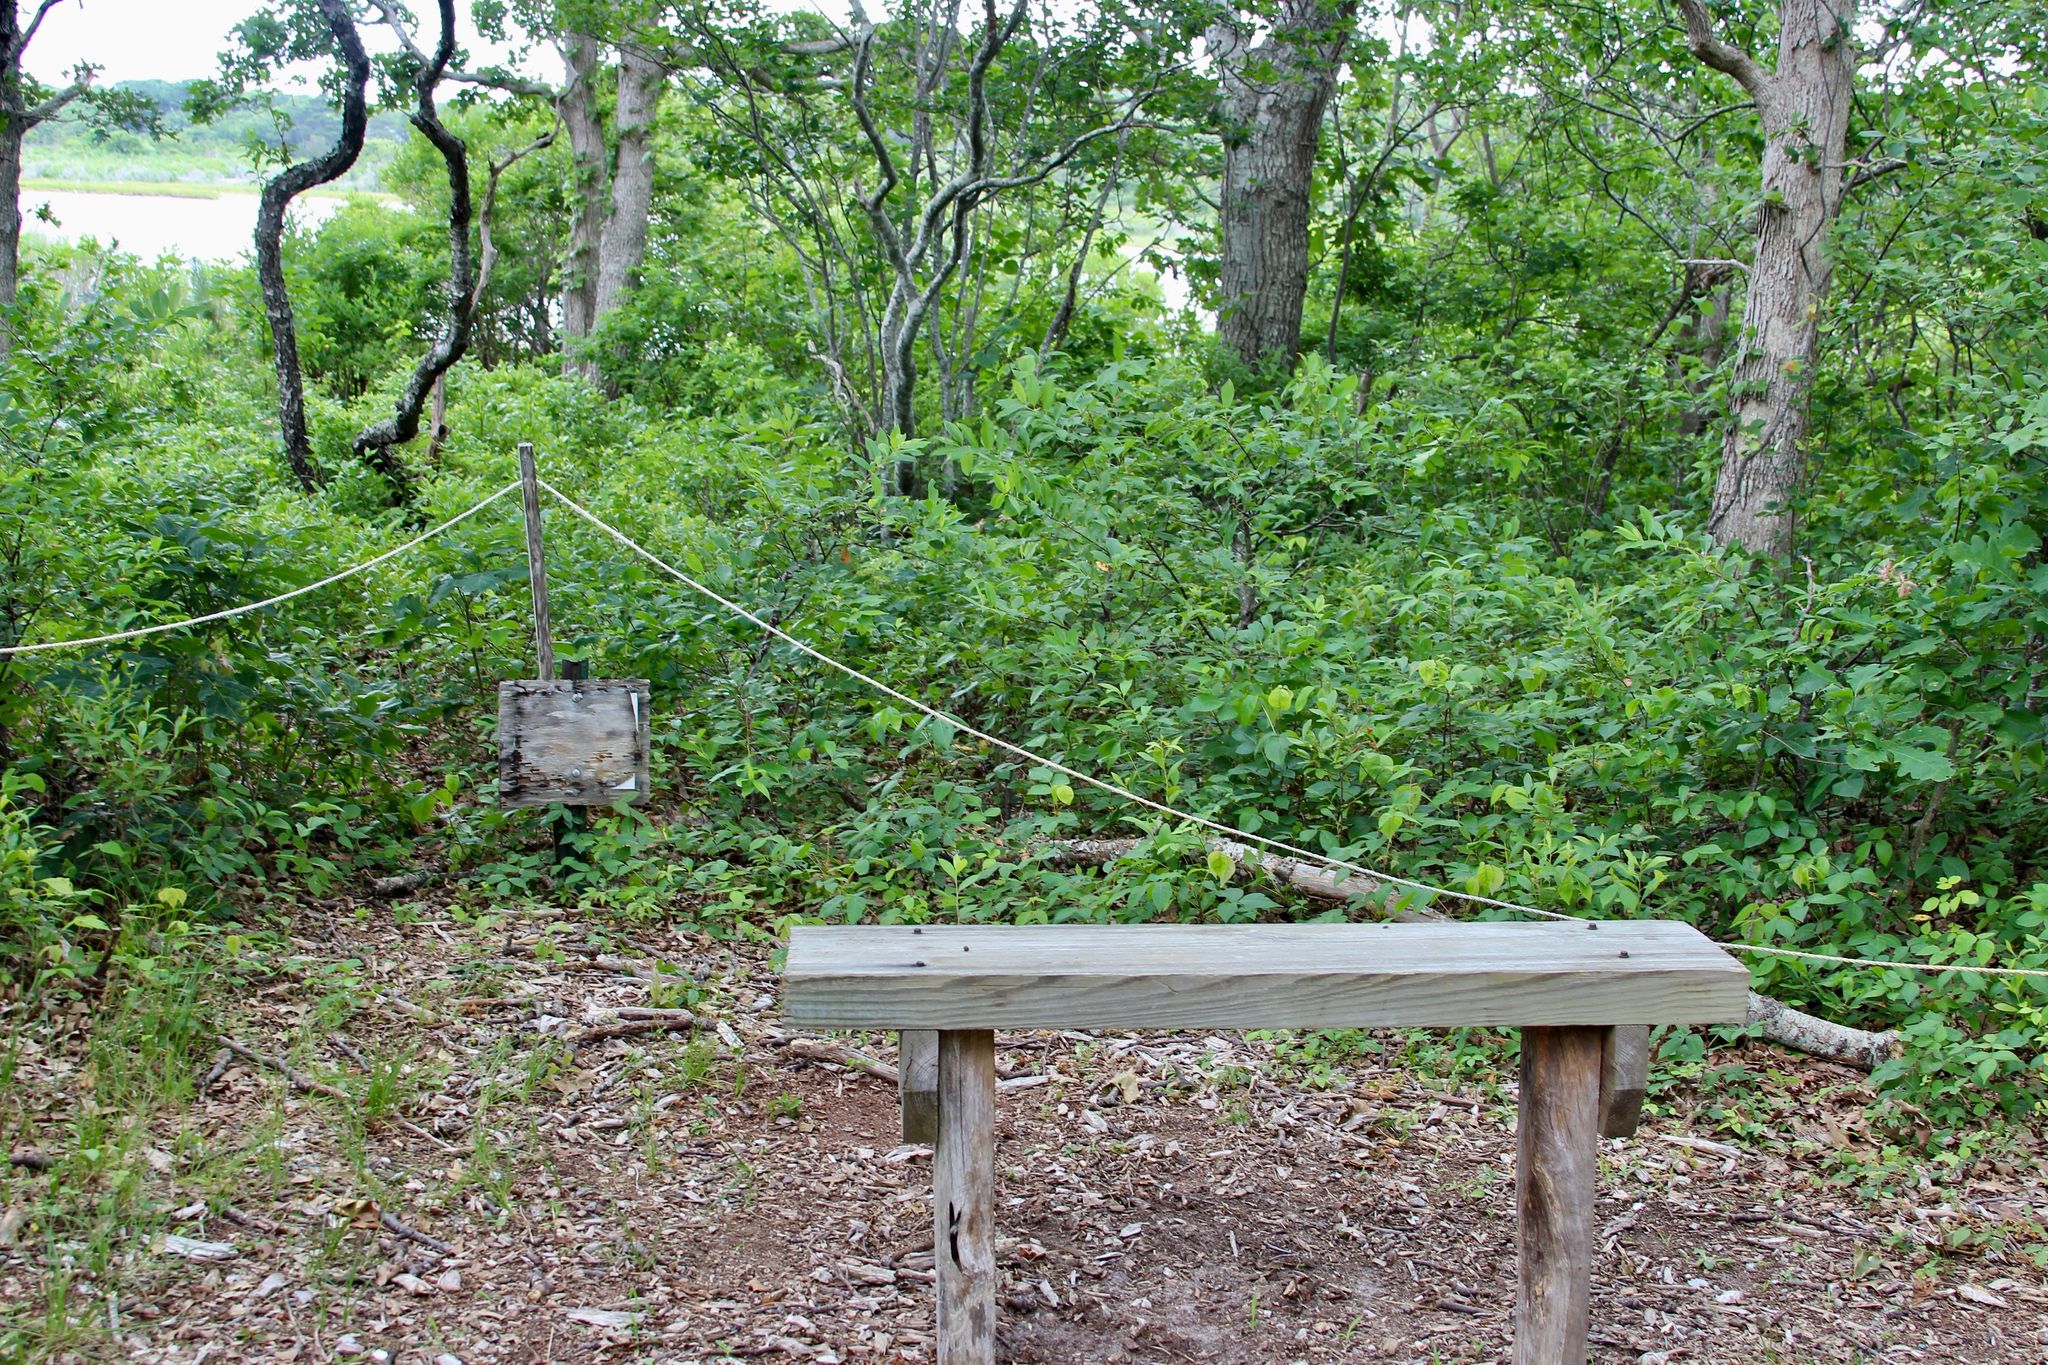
(963, 1198)
(917, 1084)
(1624, 1073)
(1557, 1147)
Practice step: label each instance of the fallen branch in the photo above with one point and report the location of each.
(1773, 1019)
(403, 884)
(392, 1224)
(221, 1059)
(1311, 879)
(631, 1021)
(1816, 1037)
(832, 1054)
(298, 1079)
(410, 1010)
(305, 1084)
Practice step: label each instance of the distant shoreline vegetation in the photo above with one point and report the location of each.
(194, 160)
(186, 189)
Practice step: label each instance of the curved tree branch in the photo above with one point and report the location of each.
(277, 197)
(374, 442)
(1723, 56)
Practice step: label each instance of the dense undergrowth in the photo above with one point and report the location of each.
(1384, 625)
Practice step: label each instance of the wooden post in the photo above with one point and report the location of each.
(963, 1198)
(917, 1083)
(573, 670)
(1624, 1073)
(536, 563)
(1557, 1146)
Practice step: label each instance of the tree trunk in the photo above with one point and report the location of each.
(1804, 109)
(13, 127)
(277, 197)
(1273, 98)
(374, 443)
(16, 119)
(578, 108)
(11, 133)
(624, 243)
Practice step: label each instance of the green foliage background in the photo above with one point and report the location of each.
(1439, 602)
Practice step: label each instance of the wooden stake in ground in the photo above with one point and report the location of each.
(1556, 1149)
(963, 1197)
(536, 561)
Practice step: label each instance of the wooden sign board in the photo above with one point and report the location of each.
(580, 742)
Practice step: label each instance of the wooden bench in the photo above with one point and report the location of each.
(1583, 995)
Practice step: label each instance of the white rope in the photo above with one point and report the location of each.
(246, 608)
(1229, 831)
(1891, 966)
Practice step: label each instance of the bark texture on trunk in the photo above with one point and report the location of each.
(374, 443)
(1274, 93)
(624, 242)
(577, 105)
(11, 133)
(277, 197)
(1803, 105)
(17, 117)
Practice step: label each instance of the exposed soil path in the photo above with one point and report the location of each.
(586, 1187)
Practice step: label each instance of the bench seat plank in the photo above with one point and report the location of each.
(1259, 976)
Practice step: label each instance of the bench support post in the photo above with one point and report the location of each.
(963, 1197)
(1557, 1148)
(1624, 1074)
(917, 1084)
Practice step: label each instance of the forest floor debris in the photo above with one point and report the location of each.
(537, 1138)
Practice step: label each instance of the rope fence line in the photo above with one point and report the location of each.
(248, 607)
(995, 741)
(1228, 831)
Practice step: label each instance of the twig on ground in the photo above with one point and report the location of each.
(298, 1079)
(305, 1084)
(391, 1223)
(832, 1054)
(625, 1023)
(221, 1061)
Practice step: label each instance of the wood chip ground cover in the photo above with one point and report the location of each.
(514, 1171)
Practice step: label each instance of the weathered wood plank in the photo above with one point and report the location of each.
(1624, 1072)
(536, 559)
(963, 1198)
(583, 743)
(917, 1084)
(1259, 976)
(1556, 1147)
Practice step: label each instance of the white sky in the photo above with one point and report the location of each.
(137, 40)
(176, 40)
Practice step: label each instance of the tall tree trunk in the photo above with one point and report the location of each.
(577, 105)
(1804, 108)
(624, 244)
(1273, 97)
(374, 442)
(10, 225)
(277, 197)
(17, 117)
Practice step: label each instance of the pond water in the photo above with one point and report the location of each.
(152, 225)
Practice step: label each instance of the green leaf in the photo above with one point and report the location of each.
(1221, 866)
(1924, 765)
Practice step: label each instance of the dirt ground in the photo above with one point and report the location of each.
(483, 1162)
